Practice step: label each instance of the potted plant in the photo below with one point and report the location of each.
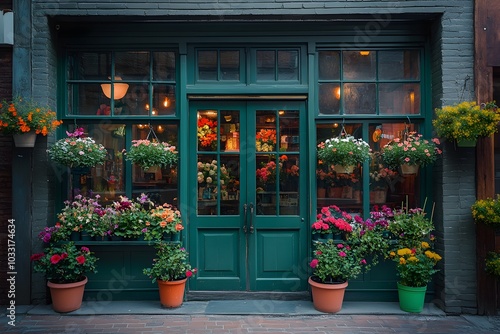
(80, 218)
(410, 152)
(24, 119)
(487, 211)
(132, 216)
(415, 267)
(77, 150)
(148, 154)
(165, 223)
(170, 269)
(343, 152)
(65, 267)
(466, 121)
(338, 222)
(410, 226)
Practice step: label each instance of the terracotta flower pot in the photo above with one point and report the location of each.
(327, 298)
(172, 292)
(67, 297)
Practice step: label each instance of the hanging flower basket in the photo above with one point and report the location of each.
(343, 151)
(146, 153)
(25, 140)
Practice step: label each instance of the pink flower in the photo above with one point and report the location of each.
(314, 263)
(342, 254)
(80, 259)
(189, 273)
(54, 259)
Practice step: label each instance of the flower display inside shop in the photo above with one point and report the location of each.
(265, 140)
(345, 151)
(269, 171)
(23, 115)
(65, 263)
(207, 133)
(210, 175)
(413, 149)
(170, 263)
(146, 153)
(467, 121)
(77, 150)
(165, 219)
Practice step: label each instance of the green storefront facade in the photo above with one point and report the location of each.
(297, 75)
(252, 236)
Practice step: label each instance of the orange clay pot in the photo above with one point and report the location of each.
(327, 298)
(171, 292)
(67, 297)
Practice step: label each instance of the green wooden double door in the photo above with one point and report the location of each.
(248, 196)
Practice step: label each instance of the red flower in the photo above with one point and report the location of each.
(36, 257)
(64, 255)
(189, 273)
(314, 263)
(80, 259)
(54, 259)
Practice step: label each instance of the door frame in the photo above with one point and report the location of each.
(248, 278)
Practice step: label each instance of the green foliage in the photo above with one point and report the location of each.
(487, 211)
(346, 151)
(493, 264)
(410, 226)
(65, 263)
(23, 115)
(147, 153)
(415, 266)
(131, 216)
(81, 214)
(412, 150)
(77, 151)
(466, 121)
(170, 263)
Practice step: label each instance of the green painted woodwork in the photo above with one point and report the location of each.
(270, 258)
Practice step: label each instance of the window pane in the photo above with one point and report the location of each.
(266, 61)
(163, 100)
(329, 98)
(89, 66)
(105, 180)
(329, 65)
(207, 65)
(288, 64)
(132, 65)
(230, 65)
(229, 185)
(137, 100)
(358, 65)
(164, 66)
(359, 98)
(160, 184)
(399, 98)
(399, 65)
(207, 130)
(208, 179)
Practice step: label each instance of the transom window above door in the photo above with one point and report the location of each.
(384, 82)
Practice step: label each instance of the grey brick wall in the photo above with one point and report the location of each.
(451, 63)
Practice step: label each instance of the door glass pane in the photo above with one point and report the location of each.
(359, 98)
(277, 174)
(399, 65)
(208, 181)
(399, 98)
(266, 62)
(329, 65)
(160, 184)
(207, 130)
(230, 184)
(329, 98)
(288, 65)
(359, 65)
(230, 65)
(207, 65)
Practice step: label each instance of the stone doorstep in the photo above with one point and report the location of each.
(228, 307)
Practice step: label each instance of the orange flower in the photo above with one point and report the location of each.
(163, 224)
(179, 227)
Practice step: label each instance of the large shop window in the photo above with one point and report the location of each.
(369, 82)
(121, 83)
(117, 177)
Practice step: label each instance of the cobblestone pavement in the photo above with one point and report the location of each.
(225, 324)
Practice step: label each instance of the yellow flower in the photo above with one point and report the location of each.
(404, 251)
(425, 245)
(413, 259)
(402, 260)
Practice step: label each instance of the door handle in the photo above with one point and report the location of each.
(251, 218)
(245, 218)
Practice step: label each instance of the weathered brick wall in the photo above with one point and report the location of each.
(451, 77)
